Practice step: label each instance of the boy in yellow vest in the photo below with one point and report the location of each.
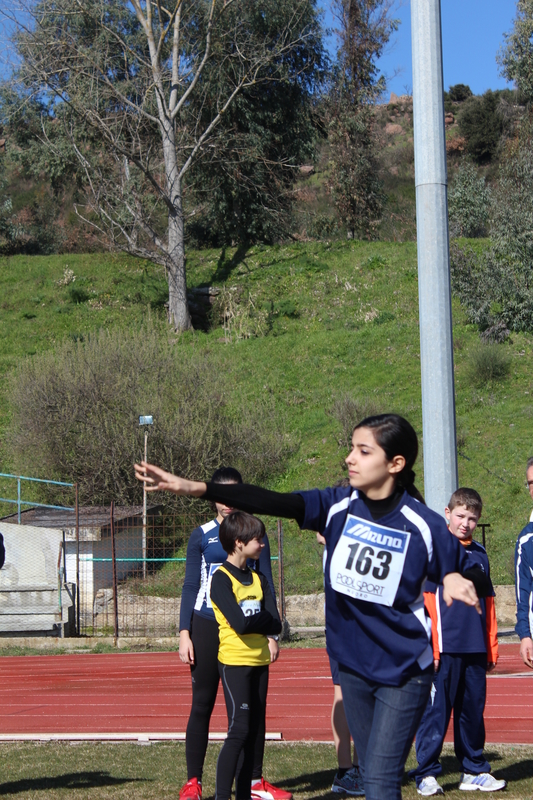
(246, 613)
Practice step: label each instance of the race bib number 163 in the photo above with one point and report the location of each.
(368, 561)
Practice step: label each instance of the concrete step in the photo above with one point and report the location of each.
(14, 611)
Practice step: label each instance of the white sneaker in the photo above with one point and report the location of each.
(429, 786)
(485, 782)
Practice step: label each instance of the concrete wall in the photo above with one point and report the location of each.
(308, 610)
(505, 606)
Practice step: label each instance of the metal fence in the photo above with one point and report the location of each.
(132, 573)
(134, 587)
(94, 571)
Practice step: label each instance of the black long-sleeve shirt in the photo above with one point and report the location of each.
(267, 621)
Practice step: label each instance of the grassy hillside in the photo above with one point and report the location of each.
(336, 320)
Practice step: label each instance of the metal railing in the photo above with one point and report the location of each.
(19, 502)
(118, 571)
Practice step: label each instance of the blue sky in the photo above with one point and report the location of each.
(472, 32)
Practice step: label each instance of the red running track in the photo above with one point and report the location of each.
(150, 692)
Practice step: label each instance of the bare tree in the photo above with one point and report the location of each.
(134, 93)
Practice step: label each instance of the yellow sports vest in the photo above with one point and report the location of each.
(250, 649)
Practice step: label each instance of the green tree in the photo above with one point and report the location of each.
(136, 92)
(482, 124)
(496, 286)
(468, 202)
(459, 92)
(512, 207)
(7, 225)
(364, 29)
(30, 229)
(245, 185)
(356, 186)
(516, 56)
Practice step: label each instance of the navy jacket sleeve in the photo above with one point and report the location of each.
(2, 551)
(318, 503)
(523, 580)
(264, 622)
(447, 553)
(481, 580)
(191, 585)
(477, 571)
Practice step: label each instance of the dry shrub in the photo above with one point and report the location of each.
(239, 315)
(455, 145)
(75, 416)
(392, 128)
(488, 363)
(349, 410)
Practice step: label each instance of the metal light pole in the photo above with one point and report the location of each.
(434, 292)
(144, 420)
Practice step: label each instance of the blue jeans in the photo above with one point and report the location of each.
(383, 722)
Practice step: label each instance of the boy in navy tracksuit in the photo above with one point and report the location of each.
(465, 647)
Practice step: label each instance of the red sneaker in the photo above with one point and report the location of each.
(263, 790)
(192, 790)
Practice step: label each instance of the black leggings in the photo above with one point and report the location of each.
(245, 692)
(205, 678)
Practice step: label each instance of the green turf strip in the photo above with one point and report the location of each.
(156, 771)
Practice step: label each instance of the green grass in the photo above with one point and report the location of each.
(104, 647)
(353, 330)
(310, 640)
(114, 771)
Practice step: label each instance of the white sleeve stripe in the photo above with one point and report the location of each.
(202, 591)
(422, 526)
(341, 505)
(522, 540)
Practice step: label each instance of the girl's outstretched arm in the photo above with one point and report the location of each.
(157, 480)
(243, 496)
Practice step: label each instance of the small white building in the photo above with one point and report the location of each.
(44, 547)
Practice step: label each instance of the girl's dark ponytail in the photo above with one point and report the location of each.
(406, 479)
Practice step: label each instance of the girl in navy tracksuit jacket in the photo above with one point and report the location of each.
(382, 545)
